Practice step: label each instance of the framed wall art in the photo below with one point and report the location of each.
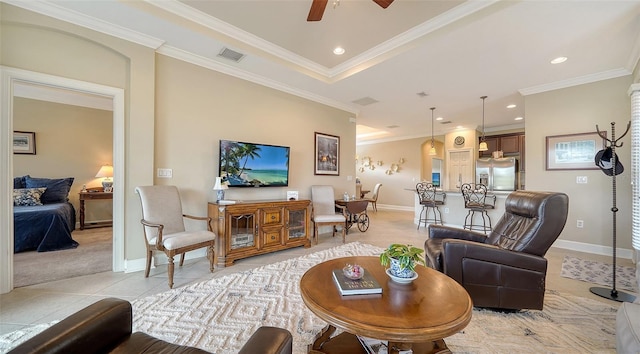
(573, 151)
(327, 154)
(24, 143)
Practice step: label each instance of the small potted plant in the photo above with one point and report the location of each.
(403, 259)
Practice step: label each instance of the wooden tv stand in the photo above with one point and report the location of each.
(251, 228)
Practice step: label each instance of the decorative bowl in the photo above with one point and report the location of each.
(353, 272)
(401, 280)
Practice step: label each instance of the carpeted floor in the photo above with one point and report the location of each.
(93, 255)
(599, 273)
(219, 315)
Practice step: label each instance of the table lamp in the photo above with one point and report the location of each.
(106, 172)
(219, 188)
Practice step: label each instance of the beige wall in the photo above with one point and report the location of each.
(393, 192)
(197, 107)
(71, 141)
(42, 44)
(578, 110)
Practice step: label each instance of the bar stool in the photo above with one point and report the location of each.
(477, 201)
(430, 198)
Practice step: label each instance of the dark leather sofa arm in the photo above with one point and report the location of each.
(105, 327)
(98, 328)
(455, 251)
(269, 340)
(441, 231)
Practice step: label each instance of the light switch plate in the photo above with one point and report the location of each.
(165, 173)
(581, 179)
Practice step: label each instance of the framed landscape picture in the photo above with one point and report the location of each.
(24, 143)
(573, 151)
(327, 154)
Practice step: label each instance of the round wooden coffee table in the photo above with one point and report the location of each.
(413, 316)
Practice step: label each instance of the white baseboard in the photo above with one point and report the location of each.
(595, 249)
(159, 258)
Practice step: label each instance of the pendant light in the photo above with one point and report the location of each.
(483, 144)
(432, 151)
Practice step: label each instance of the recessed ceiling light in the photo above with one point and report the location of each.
(338, 51)
(511, 106)
(559, 60)
(518, 118)
(439, 118)
(459, 127)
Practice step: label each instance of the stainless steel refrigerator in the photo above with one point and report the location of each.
(498, 174)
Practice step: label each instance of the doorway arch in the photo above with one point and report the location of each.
(9, 77)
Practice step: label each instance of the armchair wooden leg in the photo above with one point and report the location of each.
(171, 270)
(148, 267)
(315, 232)
(182, 259)
(211, 255)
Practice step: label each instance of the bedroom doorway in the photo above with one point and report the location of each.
(12, 76)
(63, 121)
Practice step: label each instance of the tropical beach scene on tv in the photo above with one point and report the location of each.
(253, 165)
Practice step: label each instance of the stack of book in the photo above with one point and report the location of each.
(366, 285)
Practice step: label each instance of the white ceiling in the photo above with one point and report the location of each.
(454, 51)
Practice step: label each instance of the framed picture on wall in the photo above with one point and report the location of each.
(573, 151)
(327, 154)
(24, 143)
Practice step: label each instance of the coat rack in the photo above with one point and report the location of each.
(613, 294)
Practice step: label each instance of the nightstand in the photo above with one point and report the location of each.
(93, 194)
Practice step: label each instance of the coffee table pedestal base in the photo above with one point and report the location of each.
(347, 343)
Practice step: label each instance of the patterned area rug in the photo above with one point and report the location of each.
(599, 273)
(219, 315)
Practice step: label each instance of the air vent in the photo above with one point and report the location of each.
(392, 126)
(422, 94)
(365, 101)
(447, 122)
(231, 55)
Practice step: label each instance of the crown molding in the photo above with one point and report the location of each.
(340, 71)
(581, 80)
(177, 8)
(411, 35)
(64, 14)
(244, 75)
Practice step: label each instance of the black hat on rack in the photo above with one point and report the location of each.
(603, 160)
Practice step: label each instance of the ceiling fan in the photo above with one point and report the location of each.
(318, 6)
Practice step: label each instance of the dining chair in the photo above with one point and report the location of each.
(323, 212)
(164, 231)
(374, 197)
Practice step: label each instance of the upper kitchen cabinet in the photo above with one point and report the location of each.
(509, 144)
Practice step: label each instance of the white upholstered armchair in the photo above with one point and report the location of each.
(164, 230)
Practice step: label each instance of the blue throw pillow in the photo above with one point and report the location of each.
(19, 183)
(57, 188)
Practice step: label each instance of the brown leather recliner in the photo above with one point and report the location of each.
(106, 326)
(507, 268)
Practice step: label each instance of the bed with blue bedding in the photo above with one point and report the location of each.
(43, 218)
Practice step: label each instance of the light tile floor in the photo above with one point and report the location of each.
(46, 302)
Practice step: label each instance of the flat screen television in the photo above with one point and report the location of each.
(245, 164)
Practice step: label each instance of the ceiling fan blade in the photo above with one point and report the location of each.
(383, 3)
(317, 10)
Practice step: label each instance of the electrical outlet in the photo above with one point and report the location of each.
(579, 224)
(581, 179)
(446, 210)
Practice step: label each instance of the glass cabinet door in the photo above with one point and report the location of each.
(297, 226)
(242, 230)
